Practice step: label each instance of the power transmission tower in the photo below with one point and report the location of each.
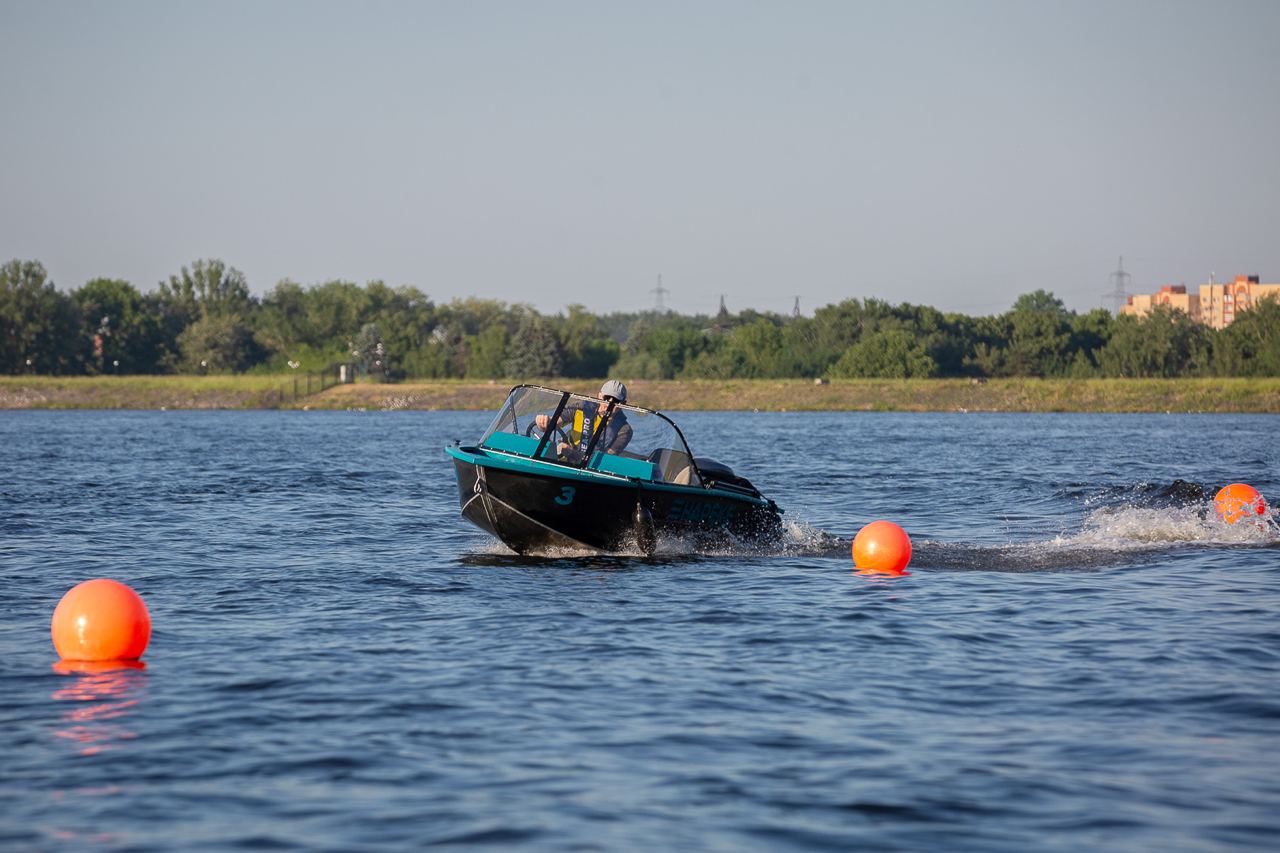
(795, 311)
(1118, 296)
(658, 292)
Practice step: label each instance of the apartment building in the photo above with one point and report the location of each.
(1217, 304)
(1173, 295)
(1220, 303)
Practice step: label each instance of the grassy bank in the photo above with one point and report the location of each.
(914, 395)
(141, 392)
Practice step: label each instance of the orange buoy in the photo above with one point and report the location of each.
(882, 546)
(1238, 501)
(101, 620)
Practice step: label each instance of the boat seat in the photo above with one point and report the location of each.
(670, 465)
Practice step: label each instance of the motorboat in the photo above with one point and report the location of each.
(557, 470)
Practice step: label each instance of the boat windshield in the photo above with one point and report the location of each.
(633, 442)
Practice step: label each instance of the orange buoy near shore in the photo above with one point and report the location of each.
(101, 620)
(883, 547)
(1238, 501)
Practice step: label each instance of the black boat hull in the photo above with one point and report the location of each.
(533, 512)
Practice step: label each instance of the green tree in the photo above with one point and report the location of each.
(406, 319)
(284, 327)
(488, 354)
(638, 365)
(335, 312)
(588, 349)
(667, 342)
(986, 339)
(372, 351)
(208, 288)
(218, 343)
(1039, 336)
(282, 321)
(1164, 343)
(465, 330)
(750, 351)
(836, 328)
(121, 331)
(431, 361)
(931, 331)
(798, 355)
(217, 297)
(1089, 335)
(889, 353)
(1250, 346)
(39, 326)
(534, 350)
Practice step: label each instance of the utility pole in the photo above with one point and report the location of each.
(658, 292)
(1118, 296)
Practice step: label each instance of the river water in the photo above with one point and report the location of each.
(1082, 656)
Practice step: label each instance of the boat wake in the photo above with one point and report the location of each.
(1119, 532)
(1121, 525)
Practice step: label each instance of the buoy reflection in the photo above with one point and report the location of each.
(880, 574)
(104, 692)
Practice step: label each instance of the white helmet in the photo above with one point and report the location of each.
(614, 388)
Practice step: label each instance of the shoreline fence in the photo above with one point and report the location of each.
(313, 382)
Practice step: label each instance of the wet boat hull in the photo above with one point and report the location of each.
(533, 511)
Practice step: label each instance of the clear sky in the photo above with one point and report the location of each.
(953, 153)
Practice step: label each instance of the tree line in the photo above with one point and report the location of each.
(204, 319)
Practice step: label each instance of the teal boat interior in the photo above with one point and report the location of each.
(654, 454)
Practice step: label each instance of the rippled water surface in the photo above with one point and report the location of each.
(1082, 657)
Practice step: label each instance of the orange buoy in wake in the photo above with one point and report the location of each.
(101, 620)
(882, 546)
(1238, 501)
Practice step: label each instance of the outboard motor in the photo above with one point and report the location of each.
(718, 474)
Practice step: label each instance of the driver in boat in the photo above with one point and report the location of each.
(583, 419)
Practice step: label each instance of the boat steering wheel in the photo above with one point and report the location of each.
(532, 431)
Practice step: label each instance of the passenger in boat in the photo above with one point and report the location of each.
(584, 417)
